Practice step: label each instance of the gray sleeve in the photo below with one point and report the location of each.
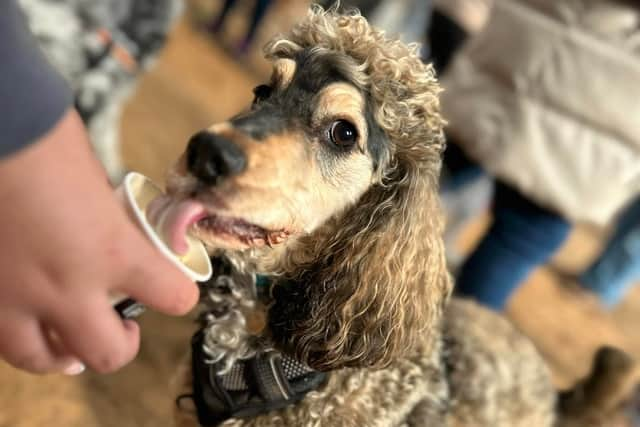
(33, 96)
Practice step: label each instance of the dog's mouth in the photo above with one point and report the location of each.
(213, 228)
(175, 219)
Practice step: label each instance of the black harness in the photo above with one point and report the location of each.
(266, 382)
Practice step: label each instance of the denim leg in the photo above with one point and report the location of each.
(618, 267)
(521, 237)
(629, 220)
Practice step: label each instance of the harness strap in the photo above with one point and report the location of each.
(267, 382)
(269, 377)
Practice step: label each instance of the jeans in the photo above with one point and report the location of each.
(618, 267)
(522, 237)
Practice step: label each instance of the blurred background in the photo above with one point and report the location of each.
(155, 96)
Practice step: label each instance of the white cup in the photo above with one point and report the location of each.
(136, 192)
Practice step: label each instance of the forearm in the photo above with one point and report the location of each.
(33, 97)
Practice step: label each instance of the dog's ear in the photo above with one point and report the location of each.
(380, 282)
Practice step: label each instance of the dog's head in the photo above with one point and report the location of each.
(330, 179)
(308, 148)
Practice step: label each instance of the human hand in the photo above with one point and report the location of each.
(66, 245)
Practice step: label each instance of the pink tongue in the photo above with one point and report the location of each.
(172, 221)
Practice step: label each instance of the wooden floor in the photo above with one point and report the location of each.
(195, 84)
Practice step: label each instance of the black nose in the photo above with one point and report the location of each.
(211, 157)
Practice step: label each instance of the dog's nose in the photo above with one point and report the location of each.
(211, 157)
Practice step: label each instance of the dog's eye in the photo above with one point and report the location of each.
(343, 134)
(261, 92)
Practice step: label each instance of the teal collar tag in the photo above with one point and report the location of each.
(262, 281)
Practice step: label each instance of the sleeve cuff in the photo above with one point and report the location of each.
(33, 96)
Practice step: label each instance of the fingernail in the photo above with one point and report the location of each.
(75, 368)
(131, 324)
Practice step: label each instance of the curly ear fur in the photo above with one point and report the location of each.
(379, 283)
(372, 281)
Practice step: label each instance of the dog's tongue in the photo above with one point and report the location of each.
(172, 220)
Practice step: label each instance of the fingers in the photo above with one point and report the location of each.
(29, 348)
(73, 366)
(96, 335)
(158, 284)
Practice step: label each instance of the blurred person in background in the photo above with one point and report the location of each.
(102, 50)
(465, 189)
(545, 99)
(66, 243)
(259, 12)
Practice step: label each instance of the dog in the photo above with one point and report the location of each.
(328, 186)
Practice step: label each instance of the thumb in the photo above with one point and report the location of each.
(155, 282)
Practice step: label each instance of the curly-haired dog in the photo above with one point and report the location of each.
(328, 186)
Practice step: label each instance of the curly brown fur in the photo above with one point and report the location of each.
(330, 318)
(228, 301)
(482, 373)
(352, 238)
(337, 321)
(494, 372)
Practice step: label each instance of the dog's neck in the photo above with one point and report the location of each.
(240, 288)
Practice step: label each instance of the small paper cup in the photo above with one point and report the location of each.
(136, 192)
